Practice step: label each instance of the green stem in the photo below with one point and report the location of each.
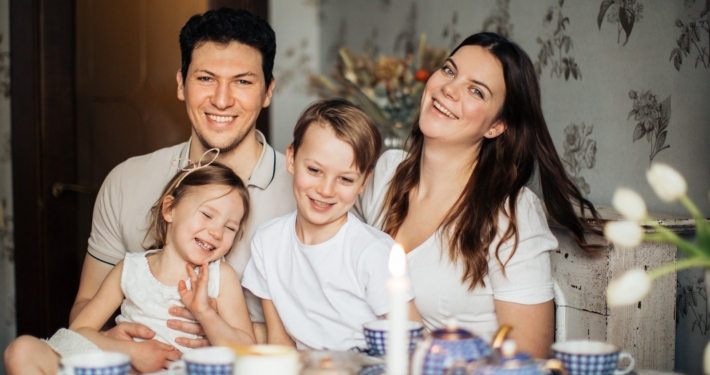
(679, 265)
(690, 206)
(665, 235)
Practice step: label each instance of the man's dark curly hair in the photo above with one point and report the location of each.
(226, 25)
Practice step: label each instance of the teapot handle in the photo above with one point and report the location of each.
(554, 364)
(500, 336)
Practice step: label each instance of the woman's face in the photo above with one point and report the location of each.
(461, 100)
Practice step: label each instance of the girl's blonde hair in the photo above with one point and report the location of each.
(184, 183)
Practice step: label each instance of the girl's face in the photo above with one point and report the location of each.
(203, 225)
(462, 99)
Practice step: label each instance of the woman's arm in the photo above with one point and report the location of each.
(275, 330)
(533, 325)
(232, 323)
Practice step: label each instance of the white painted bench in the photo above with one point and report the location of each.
(646, 330)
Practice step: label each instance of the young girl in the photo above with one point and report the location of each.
(194, 224)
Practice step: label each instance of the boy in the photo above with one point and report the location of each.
(321, 272)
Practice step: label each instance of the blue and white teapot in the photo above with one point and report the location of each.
(445, 347)
(506, 361)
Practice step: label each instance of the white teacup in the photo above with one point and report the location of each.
(203, 361)
(266, 360)
(585, 357)
(107, 363)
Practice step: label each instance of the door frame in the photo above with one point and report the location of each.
(43, 151)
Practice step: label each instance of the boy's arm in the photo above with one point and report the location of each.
(275, 330)
(232, 323)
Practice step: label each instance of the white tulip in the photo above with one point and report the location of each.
(666, 182)
(624, 233)
(629, 203)
(629, 289)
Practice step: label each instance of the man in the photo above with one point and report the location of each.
(225, 81)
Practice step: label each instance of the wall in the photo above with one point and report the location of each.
(298, 39)
(607, 67)
(7, 269)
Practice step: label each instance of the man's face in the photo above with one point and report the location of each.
(224, 91)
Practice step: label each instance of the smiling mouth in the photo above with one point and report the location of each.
(204, 245)
(443, 110)
(221, 118)
(321, 204)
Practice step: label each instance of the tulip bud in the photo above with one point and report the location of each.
(624, 233)
(629, 204)
(666, 182)
(628, 289)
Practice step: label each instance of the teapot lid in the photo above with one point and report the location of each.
(452, 332)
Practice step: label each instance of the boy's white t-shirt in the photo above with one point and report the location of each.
(323, 293)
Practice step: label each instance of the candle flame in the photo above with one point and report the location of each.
(398, 262)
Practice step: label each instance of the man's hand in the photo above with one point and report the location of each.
(188, 327)
(152, 356)
(127, 331)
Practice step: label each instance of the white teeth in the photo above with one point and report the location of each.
(444, 110)
(320, 204)
(204, 245)
(221, 118)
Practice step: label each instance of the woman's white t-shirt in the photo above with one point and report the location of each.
(437, 281)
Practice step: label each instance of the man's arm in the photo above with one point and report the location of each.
(93, 274)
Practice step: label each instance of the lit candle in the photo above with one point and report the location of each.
(397, 336)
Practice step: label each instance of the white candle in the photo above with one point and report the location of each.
(397, 336)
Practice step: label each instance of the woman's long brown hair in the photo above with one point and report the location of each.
(504, 166)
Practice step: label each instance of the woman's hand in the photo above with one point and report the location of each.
(152, 356)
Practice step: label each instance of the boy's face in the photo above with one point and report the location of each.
(326, 182)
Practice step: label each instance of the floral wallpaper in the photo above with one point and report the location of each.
(623, 13)
(610, 71)
(580, 152)
(653, 119)
(554, 49)
(694, 39)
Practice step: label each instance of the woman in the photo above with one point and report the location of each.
(477, 239)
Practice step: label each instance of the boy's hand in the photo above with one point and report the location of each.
(196, 300)
(152, 356)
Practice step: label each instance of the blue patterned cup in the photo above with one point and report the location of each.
(95, 363)
(584, 357)
(215, 360)
(376, 336)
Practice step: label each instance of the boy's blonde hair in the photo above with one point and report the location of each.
(350, 124)
(184, 183)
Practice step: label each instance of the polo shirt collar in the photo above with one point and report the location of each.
(265, 168)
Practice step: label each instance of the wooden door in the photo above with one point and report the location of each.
(93, 84)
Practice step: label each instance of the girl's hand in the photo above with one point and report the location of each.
(196, 300)
(152, 356)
